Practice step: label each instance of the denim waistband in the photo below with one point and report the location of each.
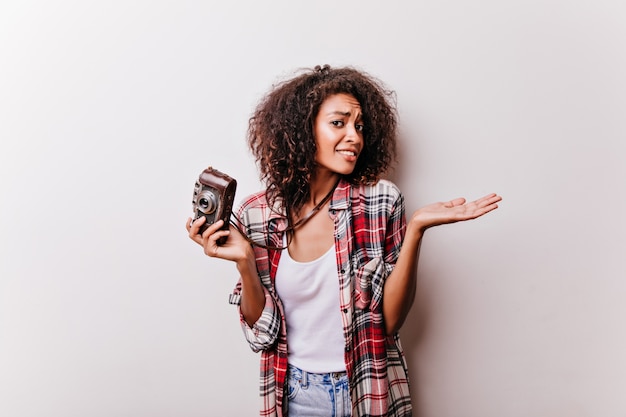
(315, 378)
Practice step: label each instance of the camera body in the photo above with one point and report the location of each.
(213, 197)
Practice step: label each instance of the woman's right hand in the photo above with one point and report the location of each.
(236, 248)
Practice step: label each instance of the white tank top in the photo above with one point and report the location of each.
(310, 295)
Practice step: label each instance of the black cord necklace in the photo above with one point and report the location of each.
(291, 228)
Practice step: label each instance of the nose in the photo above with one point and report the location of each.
(352, 134)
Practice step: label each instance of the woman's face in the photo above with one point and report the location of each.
(338, 131)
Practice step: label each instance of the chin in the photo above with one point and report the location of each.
(346, 172)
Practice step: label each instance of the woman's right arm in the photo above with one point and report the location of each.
(236, 249)
(252, 293)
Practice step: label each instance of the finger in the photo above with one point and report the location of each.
(493, 198)
(496, 198)
(492, 203)
(211, 248)
(485, 210)
(207, 237)
(486, 201)
(213, 228)
(194, 227)
(488, 206)
(456, 202)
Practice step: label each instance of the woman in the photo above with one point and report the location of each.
(330, 275)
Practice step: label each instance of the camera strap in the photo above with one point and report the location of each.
(297, 224)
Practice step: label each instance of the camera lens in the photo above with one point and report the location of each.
(207, 203)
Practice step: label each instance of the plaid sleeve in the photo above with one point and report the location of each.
(264, 332)
(262, 335)
(396, 228)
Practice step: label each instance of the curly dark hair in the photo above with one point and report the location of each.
(280, 131)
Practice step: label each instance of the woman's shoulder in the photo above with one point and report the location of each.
(382, 187)
(381, 196)
(256, 208)
(256, 200)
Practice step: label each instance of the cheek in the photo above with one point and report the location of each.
(326, 149)
(323, 141)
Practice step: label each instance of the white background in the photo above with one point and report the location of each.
(110, 110)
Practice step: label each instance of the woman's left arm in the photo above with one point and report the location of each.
(399, 290)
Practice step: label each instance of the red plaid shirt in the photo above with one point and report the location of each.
(369, 230)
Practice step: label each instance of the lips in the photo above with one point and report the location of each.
(349, 155)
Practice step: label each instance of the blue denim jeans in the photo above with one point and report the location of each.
(323, 395)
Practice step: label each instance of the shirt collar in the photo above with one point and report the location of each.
(277, 215)
(341, 196)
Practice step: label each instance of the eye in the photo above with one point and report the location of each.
(337, 123)
(359, 127)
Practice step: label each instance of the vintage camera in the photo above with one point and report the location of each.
(213, 197)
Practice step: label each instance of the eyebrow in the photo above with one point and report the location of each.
(341, 113)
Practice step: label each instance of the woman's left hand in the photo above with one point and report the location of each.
(453, 211)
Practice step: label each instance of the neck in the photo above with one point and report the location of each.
(320, 187)
(319, 199)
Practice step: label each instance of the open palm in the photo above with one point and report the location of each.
(454, 211)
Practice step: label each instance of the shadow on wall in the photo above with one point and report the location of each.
(415, 335)
(396, 173)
